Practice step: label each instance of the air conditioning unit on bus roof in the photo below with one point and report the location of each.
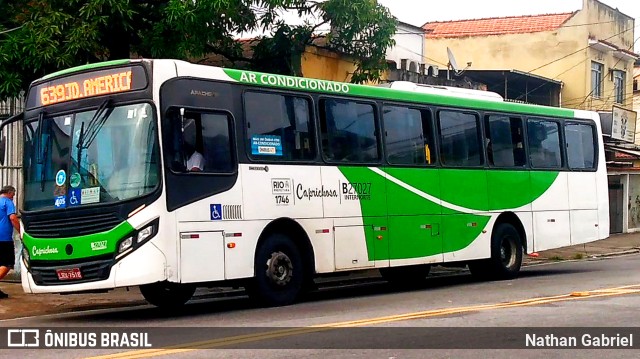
(445, 90)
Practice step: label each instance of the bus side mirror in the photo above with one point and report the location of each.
(3, 138)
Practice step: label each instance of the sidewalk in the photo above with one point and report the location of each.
(20, 304)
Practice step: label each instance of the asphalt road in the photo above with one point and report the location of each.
(447, 317)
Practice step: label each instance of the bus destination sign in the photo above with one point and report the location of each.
(89, 84)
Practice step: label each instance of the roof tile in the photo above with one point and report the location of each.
(496, 25)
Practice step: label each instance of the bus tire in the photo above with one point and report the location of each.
(506, 255)
(279, 272)
(167, 294)
(406, 275)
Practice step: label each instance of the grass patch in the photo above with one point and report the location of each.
(556, 258)
(578, 256)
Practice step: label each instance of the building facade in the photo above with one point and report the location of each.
(589, 50)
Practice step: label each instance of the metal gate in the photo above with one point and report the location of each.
(616, 205)
(11, 169)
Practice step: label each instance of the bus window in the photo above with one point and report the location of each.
(505, 141)
(544, 143)
(408, 136)
(459, 139)
(349, 131)
(279, 127)
(580, 146)
(201, 142)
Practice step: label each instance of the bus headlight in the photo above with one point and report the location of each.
(125, 244)
(144, 233)
(137, 238)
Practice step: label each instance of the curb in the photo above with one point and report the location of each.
(534, 260)
(616, 254)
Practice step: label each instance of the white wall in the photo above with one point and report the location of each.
(409, 45)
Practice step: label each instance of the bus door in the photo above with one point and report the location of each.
(413, 187)
(354, 194)
(581, 140)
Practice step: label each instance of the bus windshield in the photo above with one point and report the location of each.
(108, 154)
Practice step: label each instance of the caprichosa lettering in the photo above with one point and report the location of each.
(310, 193)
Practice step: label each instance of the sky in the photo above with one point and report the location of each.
(418, 12)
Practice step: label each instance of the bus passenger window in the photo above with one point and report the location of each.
(581, 145)
(408, 135)
(349, 132)
(279, 127)
(544, 143)
(505, 141)
(460, 143)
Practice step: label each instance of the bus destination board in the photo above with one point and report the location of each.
(89, 84)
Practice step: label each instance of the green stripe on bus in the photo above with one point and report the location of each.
(83, 246)
(86, 67)
(340, 88)
(419, 227)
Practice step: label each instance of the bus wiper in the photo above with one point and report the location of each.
(39, 155)
(43, 171)
(93, 127)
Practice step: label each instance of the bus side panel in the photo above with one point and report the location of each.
(466, 236)
(320, 232)
(355, 198)
(275, 191)
(602, 190)
(526, 219)
(551, 221)
(583, 204)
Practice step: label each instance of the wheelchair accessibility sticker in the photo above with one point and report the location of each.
(216, 212)
(74, 197)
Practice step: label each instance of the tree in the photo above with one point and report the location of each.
(41, 36)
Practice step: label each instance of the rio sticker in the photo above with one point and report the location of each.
(74, 180)
(266, 145)
(61, 177)
(281, 189)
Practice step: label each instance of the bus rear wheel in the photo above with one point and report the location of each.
(506, 255)
(166, 294)
(406, 275)
(279, 272)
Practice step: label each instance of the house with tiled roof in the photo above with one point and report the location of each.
(588, 52)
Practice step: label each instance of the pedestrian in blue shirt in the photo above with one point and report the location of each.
(8, 222)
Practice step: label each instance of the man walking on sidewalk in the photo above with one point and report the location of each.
(8, 222)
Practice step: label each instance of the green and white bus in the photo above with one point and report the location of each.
(294, 178)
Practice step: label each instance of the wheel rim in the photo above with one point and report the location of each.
(508, 255)
(279, 269)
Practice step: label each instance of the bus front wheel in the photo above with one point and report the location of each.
(506, 255)
(279, 272)
(166, 294)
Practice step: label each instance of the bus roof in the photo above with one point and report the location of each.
(400, 90)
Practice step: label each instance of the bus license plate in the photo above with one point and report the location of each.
(69, 274)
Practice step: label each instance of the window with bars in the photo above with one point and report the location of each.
(596, 79)
(618, 86)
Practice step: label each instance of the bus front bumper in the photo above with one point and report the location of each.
(147, 264)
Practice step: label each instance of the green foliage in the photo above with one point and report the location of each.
(42, 36)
